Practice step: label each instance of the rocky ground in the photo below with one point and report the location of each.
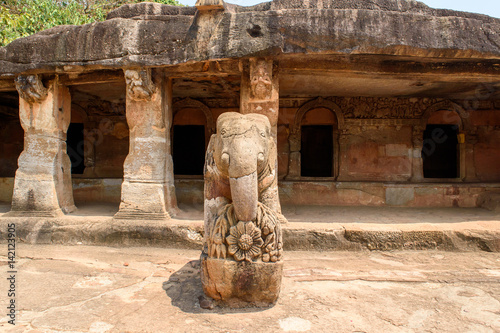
(145, 289)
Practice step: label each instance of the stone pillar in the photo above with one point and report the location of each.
(260, 94)
(42, 185)
(469, 141)
(417, 161)
(148, 190)
(342, 153)
(294, 166)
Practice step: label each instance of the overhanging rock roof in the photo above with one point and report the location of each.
(151, 34)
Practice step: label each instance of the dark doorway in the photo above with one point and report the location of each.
(75, 148)
(189, 149)
(316, 157)
(440, 151)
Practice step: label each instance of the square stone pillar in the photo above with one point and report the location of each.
(416, 157)
(42, 185)
(148, 190)
(469, 164)
(260, 94)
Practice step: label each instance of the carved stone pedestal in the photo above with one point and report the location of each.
(241, 284)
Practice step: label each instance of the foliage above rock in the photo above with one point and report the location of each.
(21, 18)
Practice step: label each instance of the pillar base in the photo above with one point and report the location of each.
(24, 213)
(143, 201)
(241, 284)
(124, 215)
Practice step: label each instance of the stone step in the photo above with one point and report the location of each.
(188, 234)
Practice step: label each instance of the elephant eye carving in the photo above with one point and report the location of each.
(263, 134)
(225, 160)
(223, 132)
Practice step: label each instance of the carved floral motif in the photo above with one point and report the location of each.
(244, 241)
(250, 241)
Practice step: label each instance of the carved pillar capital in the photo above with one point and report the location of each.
(140, 86)
(31, 88)
(260, 89)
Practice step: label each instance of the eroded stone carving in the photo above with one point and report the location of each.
(260, 90)
(260, 80)
(140, 86)
(30, 88)
(209, 4)
(243, 238)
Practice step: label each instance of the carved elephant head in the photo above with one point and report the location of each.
(243, 147)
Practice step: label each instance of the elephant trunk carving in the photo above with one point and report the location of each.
(241, 188)
(244, 193)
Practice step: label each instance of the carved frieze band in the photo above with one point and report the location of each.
(372, 107)
(31, 88)
(140, 85)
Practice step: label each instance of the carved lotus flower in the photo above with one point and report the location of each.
(244, 241)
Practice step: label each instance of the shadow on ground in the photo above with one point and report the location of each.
(185, 290)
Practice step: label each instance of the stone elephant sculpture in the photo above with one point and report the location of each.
(242, 208)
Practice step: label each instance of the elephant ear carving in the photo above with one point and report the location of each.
(209, 158)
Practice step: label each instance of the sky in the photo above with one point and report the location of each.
(488, 7)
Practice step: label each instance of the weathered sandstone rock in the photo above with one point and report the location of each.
(135, 35)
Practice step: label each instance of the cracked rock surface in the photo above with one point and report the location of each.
(111, 289)
(135, 35)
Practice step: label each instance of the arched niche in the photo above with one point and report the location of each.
(189, 103)
(192, 126)
(452, 111)
(328, 117)
(440, 139)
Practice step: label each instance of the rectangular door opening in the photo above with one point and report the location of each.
(75, 148)
(316, 156)
(189, 149)
(440, 151)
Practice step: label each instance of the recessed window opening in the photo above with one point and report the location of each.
(440, 151)
(188, 149)
(317, 151)
(75, 148)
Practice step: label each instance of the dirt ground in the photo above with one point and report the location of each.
(144, 289)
